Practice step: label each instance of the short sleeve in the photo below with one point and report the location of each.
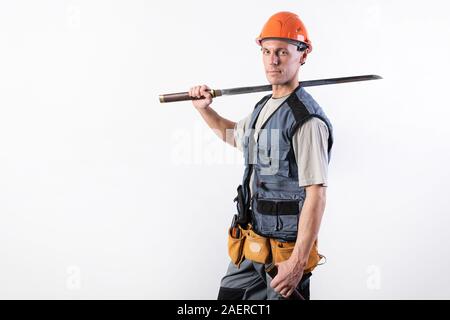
(239, 131)
(310, 143)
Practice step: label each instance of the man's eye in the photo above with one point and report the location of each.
(283, 53)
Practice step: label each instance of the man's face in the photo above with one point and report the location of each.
(281, 61)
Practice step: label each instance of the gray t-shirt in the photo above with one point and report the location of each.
(310, 143)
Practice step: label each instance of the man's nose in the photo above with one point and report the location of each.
(274, 58)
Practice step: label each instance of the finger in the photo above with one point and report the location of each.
(205, 88)
(287, 291)
(207, 95)
(204, 92)
(197, 91)
(280, 288)
(284, 292)
(290, 292)
(275, 282)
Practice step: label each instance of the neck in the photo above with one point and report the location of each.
(281, 90)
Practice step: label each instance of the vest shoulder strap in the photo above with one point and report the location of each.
(301, 114)
(299, 110)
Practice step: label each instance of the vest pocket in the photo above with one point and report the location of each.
(277, 216)
(277, 207)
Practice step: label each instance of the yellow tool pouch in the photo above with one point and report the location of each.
(256, 247)
(281, 251)
(245, 243)
(236, 239)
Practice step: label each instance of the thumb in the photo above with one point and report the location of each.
(274, 282)
(207, 95)
(205, 91)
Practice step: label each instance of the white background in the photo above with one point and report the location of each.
(106, 193)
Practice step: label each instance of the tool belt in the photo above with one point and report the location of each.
(245, 243)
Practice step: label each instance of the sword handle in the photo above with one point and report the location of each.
(184, 96)
(272, 271)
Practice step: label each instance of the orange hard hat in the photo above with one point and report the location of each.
(286, 26)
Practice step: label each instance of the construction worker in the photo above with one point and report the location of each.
(286, 142)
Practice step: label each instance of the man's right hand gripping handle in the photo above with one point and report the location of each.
(199, 92)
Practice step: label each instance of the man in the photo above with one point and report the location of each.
(286, 142)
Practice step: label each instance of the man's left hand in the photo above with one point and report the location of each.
(289, 275)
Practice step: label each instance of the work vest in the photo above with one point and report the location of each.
(277, 197)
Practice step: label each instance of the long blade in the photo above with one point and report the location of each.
(307, 83)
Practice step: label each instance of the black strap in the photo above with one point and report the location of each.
(250, 166)
(301, 115)
(278, 208)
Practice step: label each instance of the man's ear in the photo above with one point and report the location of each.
(303, 57)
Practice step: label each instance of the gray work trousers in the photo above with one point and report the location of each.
(251, 282)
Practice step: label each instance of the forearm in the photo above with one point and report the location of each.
(222, 127)
(308, 228)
